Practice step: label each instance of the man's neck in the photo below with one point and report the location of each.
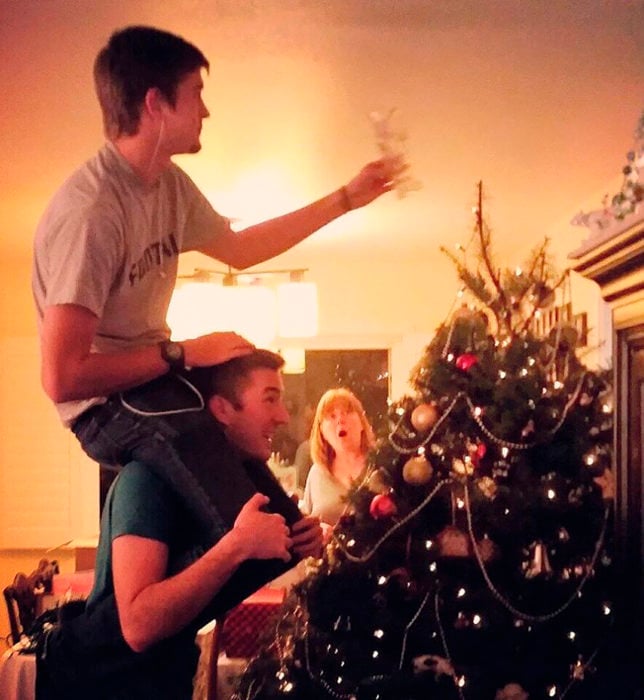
(143, 156)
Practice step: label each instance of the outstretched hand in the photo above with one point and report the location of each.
(265, 535)
(374, 179)
(215, 348)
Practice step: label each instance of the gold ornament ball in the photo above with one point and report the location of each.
(424, 416)
(463, 313)
(377, 481)
(461, 468)
(417, 471)
(488, 486)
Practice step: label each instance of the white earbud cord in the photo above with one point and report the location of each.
(155, 153)
(201, 405)
(170, 412)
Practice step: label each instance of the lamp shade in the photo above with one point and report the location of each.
(247, 310)
(294, 360)
(198, 308)
(188, 314)
(297, 309)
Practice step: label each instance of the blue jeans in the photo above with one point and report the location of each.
(158, 423)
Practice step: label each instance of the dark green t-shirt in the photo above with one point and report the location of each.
(140, 503)
(87, 656)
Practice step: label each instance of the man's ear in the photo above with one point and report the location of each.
(221, 409)
(154, 102)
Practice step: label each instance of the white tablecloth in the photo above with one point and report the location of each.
(17, 675)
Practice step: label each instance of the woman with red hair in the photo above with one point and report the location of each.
(341, 438)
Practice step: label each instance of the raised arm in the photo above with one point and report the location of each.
(152, 607)
(70, 370)
(265, 240)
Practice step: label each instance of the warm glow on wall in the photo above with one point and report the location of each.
(187, 314)
(297, 309)
(248, 310)
(258, 194)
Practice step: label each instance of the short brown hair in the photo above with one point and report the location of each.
(321, 451)
(229, 378)
(134, 60)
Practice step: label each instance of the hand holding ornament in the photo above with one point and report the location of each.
(391, 140)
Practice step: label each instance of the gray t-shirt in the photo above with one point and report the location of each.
(110, 243)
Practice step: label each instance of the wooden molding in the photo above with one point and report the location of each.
(617, 265)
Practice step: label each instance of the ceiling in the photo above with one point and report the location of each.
(539, 100)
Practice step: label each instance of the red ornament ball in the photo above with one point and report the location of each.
(453, 542)
(424, 416)
(466, 361)
(476, 451)
(382, 506)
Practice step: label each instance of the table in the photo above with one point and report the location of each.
(18, 670)
(245, 625)
(17, 674)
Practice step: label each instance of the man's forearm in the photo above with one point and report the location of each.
(152, 608)
(263, 241)
(163, 608)
(71, 371)
(102, 374)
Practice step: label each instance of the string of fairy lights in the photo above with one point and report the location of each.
(476, 414)
(349, 547)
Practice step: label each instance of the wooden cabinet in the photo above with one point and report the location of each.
(614, 259)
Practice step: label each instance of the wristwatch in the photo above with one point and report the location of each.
(172, 353)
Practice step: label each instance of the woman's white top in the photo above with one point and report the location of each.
(324, 495)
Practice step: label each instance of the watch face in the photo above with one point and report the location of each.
(174, 351)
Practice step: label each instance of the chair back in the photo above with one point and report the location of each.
(22, 598)
(205, 686)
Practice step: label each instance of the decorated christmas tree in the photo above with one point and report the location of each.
(473, 562)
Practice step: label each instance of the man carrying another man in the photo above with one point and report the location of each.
(155, 584)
